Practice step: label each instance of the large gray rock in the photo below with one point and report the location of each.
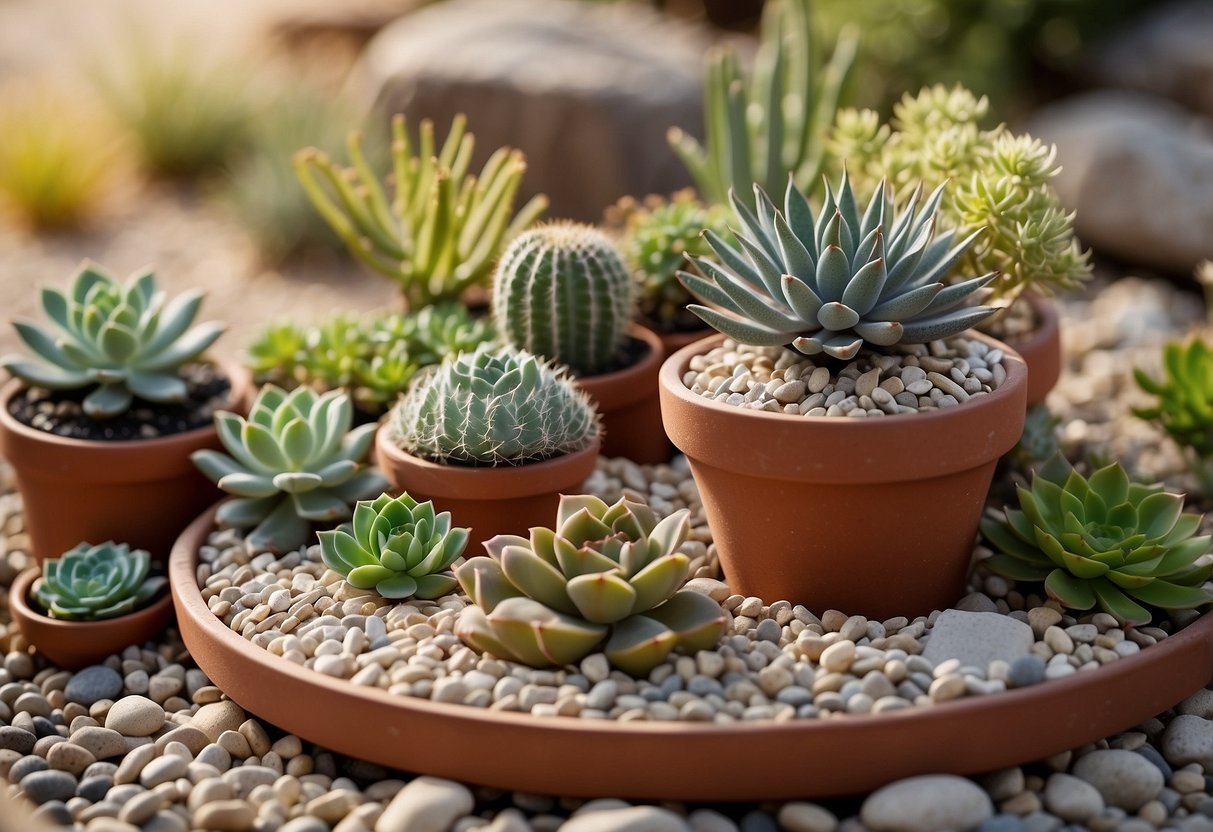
(977, 638)
(586, 91)
(926, 804)
(1139, 173)
(1166, 51)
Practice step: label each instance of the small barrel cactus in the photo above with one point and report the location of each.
(831, 284)
(294, 460)
(89, 583)
(607, 573)
(124, 340)
(1102, 541)
(495, 408)
(398, 547)
(562, 292)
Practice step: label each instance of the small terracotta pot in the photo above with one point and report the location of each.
(142, 492)
(75, 644)
(1041, 351)
(631, 412)
(868, 516)
(507, 499)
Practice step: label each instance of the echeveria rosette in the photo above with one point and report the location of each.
(397, 547)
(124, 340)
(1102, 541)
(606, 573)
(833, 282)
(1184, 407)
(90, 583)
(293, 462)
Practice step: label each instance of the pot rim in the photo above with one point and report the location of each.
(620, 388)
(18, 598)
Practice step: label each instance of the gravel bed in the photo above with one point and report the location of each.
(913, 379)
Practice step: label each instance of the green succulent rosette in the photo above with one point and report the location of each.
(91, 583)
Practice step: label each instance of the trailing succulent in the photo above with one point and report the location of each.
(125, 341)
(503, 407)
(1102, 541)
(398, 547)
(608, 574)
(562, 292)
(835, 282)
(293, 462)
(443, 227)
(90, 583)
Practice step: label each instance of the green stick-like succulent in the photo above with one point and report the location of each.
(89, 583)
(398, 547)
(443, 228)
(1103, 541)
(293, 461)
(490, 407)
(835, 282)
(771, 126)
(607, 573)
(122, 339)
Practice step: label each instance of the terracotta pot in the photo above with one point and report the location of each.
(631, 412)
(141, 492)
(489, 501)
(649, 760)
(1041, 351)
(672, 342)
(75, 644)
(874, 516)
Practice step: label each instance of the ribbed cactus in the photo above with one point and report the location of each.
(495, 408)
(562, 291)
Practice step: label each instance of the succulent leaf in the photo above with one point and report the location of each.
(90, 583)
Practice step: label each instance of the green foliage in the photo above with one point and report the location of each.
(608, 574)
(1000, 183)
(562, 291)
(124, 340)
(491, 407)
(293, 462)
(1184, 403)
(1102, 541)
(443, 228)
(374, 358)
(765, 128)
(1039, 441)
(91, 583)
(831, 284)
(397, 547)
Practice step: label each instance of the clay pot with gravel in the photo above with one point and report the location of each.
(99, 427)
(494, 437)
(1037, 339)
(865, 499)
(91, 603)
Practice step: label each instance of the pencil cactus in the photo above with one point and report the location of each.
(90, 583)
(608, 574)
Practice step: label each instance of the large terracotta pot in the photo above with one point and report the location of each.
(142, 492)
(869, 516)
(75, 644)
(507, 499)
(631, 412)
(1041, 351)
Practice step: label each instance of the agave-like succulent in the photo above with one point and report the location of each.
(89, 583)
(1102, 541)
(293, 461)
(398, 547)
(606, 573)
(832, 283)
(124, 339)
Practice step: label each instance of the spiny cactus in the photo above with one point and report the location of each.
(606, 574)
(495, 408)
(443, 227)
(834, 283)
(1102, 541)
(562, 292)
(124, 339)
(90, 583)
(293, 461)
(398, 547)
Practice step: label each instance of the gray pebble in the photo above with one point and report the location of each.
(1025, 671)
(41, 786)
(93, 684)
(26, 766)
(16, 739)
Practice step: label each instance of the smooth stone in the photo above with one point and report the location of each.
(69, 757)
(977, 638)
(135, 716)
(17, 739)
(42, 786)
(426, 804)
(24, 767)
(1072, 799)
(707, 820)
(93, 684)
(630, 819)
(1124, 779)
(93, 789)
(215, 718)
(102, 743)
(1025, 671)
(162, 770)
(806, 817)
(225, 816)
(1198, 704)
(1189, 739)
(926, 804)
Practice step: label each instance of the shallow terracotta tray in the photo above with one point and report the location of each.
(755, 761)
